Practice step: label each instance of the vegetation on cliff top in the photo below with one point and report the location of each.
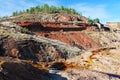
(46, 9)
(92, 21)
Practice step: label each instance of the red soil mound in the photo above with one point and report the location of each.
(67, 32)
(73, 38)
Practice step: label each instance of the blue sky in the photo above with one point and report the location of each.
(105, 10)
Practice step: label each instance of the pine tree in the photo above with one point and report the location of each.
(47, 9)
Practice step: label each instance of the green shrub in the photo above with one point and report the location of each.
(96, 20)
(24, 30)
(47, 9)
(90, 22)
(75, 22)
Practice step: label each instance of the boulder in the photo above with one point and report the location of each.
(64, 19)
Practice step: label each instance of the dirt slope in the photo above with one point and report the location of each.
(71, 35)
(104, 60)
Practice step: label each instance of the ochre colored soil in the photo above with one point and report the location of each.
(65, 32)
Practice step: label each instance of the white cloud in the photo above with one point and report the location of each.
(113, 19)
(49, 2)
(9, 6)
(92, 11)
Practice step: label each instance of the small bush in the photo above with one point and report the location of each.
(90, 22)
(24, 30)
(47, 9)
(75, 22)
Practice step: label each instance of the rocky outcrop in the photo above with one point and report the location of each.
(34, 50)
(68, 18)
(8, 46)
(105, 39)
(78, 39)
(104, 60)
(52, 26)
(71, 35)
(24, 71)
(32, 47)
(46, 17)
(51, 47)
(65, 28)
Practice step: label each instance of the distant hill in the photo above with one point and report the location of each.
(46, 13)
(46, 9)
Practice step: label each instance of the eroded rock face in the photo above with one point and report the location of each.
(105, 60)
(11, 68)
(22, 71)
(69, 33)
(30, 49)
(8, 47)
(48, 17)
(69, 18)
(25, 71)
(78, 39)
(64, 18)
